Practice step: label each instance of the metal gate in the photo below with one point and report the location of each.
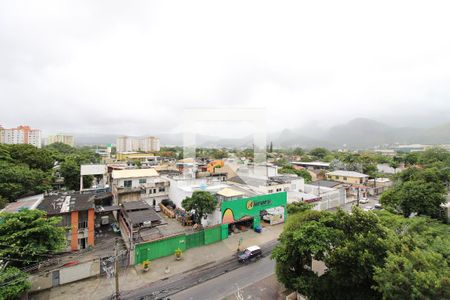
(196, 239)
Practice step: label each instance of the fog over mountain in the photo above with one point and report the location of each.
(357, 133)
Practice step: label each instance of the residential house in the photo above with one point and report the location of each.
(349, 177)
(78, 214)
(139, 184)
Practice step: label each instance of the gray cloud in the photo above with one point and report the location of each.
(131, 68)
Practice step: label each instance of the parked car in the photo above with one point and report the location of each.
(378, 206)
(364, 200)
(157, 208)
(253, 252)
(367, 208)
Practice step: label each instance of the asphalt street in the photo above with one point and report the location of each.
(227, 284)
(165, 288)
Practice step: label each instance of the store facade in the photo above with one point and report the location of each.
(253, 208)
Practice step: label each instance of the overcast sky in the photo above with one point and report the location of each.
(131, 67)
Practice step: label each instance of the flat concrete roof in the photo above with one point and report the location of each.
(134, 173)
(347, 174)
(311, 163)
(228, 192)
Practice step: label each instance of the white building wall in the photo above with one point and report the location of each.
(80, 271)
(331, 197)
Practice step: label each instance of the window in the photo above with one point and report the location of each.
(270, 191)
(336, 177)
(345, 178)
(154, 191)
(127, 183)
(142, 181)
(162, 189)
(82, 224)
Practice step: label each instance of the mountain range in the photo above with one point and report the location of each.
(355, 134)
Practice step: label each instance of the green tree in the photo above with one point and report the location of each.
(298, 151)
(419, 268)
(433, 155)
(297, 207)
(202, 203)
(13, 283)
(411, 159)
(350, 245)
(286, 169)
(416, 274)
(33, 157)
(3, 202)
(28, 236)
(61, 148)
(319, 153)
(419, 196)
(219, 154)
(394, 164)
(367, 256)
(18, 180)
(70, 170)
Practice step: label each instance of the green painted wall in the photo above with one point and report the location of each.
(195, 239)
(166, 247)
(159, 248)
(213, 234)
(252, 206)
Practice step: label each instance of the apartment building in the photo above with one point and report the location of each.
(22, 134)
(130, 144)
(139, 184)
(61, 138)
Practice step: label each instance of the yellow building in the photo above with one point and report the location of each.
(134, 155)
(350, 177)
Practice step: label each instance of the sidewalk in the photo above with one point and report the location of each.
(132, 277)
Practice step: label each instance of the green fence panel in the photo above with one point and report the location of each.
(196, 239)
(166, 247)
(213, 235)
(159, 248)
(224, 234)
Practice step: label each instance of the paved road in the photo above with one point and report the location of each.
(227, 284)
(169, 286)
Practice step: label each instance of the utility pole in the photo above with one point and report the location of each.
(116, 269)
(357, 197)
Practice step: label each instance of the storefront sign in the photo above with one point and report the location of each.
(251, 203)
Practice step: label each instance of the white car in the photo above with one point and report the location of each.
(368, 208)
(364, 200)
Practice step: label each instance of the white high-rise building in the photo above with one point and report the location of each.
(21, 135)
(61, 138)
(130, 144)
(124, 144)
(150, 144)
